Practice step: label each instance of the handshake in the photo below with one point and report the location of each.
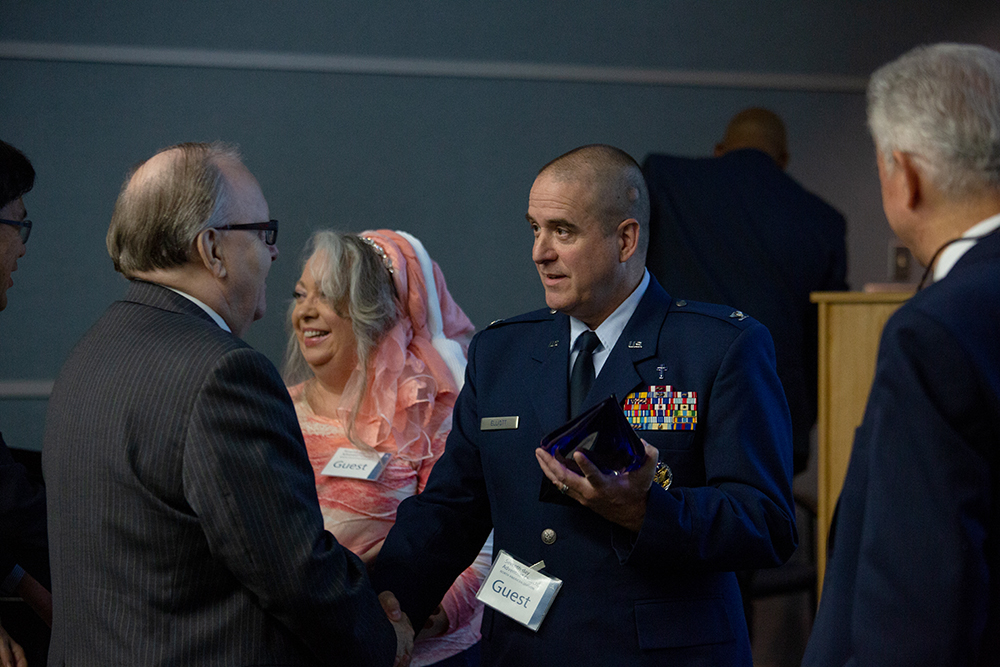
(436, 625)
(401, 624)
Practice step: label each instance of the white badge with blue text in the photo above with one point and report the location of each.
(518, 590)
(356, 464)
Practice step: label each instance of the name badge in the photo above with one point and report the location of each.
(518, 590)
(498, 423)
(356, 464)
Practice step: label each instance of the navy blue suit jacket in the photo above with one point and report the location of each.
(184, 527)
(666, 595)
(738, 230)
(913, 575)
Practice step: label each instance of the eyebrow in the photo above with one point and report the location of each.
(555, 222)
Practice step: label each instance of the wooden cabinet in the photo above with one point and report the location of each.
(850, 325)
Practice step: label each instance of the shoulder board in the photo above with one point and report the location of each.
(542, 315)
(714, 310)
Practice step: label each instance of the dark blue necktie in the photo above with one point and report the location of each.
(582, 377)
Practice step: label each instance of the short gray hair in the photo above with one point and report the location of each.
(356, 283)
(157, 218)
(941, 103)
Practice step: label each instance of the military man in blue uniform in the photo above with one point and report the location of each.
(647, 572)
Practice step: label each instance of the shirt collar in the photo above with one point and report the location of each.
(211, 313)
(612, 327)
(950, 255)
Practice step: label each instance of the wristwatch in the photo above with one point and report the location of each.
(663, 475)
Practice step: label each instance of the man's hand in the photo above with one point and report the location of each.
(618, 498)
(401, 624)
(436, 625)
(11, 653)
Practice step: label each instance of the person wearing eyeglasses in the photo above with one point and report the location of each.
(24, 568)
(183, 519)
(16, 179)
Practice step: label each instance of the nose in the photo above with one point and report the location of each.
(306, 307)
(542, 250)
(273, 249)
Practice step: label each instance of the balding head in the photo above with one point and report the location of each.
(589, 214)
(166, 202)
(760, 129)
(615, 181)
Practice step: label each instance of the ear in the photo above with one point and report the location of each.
(628, 238)
(910, 179)
(209, 249)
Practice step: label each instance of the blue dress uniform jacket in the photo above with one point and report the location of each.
(666, 595)
(183, 521)
(913, 575)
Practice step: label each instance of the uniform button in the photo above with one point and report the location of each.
(681, 303)
(549, 536)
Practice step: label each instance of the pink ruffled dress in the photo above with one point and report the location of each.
(406, 411)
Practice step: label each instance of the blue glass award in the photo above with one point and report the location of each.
(603, 434)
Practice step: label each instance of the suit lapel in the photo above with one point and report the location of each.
(550, 393)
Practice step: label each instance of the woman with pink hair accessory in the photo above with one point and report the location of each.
(375, 362)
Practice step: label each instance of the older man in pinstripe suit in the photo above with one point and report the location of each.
(183, 520)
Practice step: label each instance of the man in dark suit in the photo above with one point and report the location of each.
(913, 573)
(24, 562)
(647, 572)
(736, 229)
(183, 521)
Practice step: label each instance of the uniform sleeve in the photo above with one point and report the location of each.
(459, 603)
(923, 571)
(247, 476)
(743, 517)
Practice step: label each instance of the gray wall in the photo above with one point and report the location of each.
(431, 117)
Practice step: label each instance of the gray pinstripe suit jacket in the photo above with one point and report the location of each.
(183, 521)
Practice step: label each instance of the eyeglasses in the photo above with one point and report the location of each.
(25, 228)
(270, 229)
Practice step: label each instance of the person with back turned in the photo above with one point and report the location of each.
(183, 521)
(913, 571)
